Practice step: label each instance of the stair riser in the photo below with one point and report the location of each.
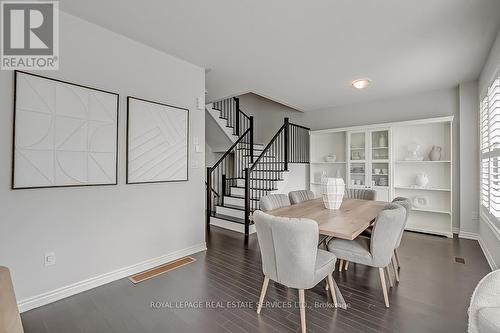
(230, 212)
(253, 193)
(231, 225)
(240, 202)
(258, 183)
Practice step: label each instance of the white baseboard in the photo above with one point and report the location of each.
(96, 281)
(468, 235)
(487, 254)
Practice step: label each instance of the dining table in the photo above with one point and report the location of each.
(348, 222)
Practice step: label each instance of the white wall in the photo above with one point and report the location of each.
(489, 235)
(268, 115)
(469, 156)
(417, 106)
(97, 230)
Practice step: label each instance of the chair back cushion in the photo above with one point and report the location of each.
(300, 196)
(357, 193)
(10, 321)
(406, 203)
(386, 231)
(274, 201)
(288, 247)
(486, 295)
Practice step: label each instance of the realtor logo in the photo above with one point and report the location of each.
(30, 35)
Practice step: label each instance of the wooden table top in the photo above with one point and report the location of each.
(353, 217)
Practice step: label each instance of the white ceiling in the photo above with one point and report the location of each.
(306, 53)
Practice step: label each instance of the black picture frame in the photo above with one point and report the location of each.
(127, 142)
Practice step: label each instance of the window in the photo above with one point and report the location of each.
(489, 123)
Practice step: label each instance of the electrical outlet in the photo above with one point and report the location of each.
(49, 259)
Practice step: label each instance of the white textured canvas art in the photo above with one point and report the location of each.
(157, 142)
(65, 134)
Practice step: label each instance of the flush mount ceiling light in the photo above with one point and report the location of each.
(361, 83)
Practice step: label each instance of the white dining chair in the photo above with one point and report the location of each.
(290, 256)
(484, 309)
(378, 250)
(300, 196)
(273, 201)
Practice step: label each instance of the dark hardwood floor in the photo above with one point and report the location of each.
(432, 296)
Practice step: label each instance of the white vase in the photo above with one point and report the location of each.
(332, 192)
(421, 179)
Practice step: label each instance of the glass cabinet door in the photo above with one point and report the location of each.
(379, 161)
(357, 159)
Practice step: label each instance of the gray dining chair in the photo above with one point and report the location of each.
(290, 256)
(360, 193)
(274, 201)
(406, 203)
(378, 250)
(300, 196)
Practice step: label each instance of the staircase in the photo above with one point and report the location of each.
(247, 171)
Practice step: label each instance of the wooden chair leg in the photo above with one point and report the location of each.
(394, 266)
(332, 289)
(389, 275)
(346, 265)
(384, 287)
(396, 254)
(302, 306)
(326, 286)
(341, 265)
(262, 294)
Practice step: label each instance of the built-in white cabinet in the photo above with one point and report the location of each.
(412, 159)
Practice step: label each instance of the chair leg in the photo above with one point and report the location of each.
(389, 276)
(302, 306)
(397, 257)
(394, 266)
(262, 294)
(346, 265)
(384, 287)
(341, 265)
(326, 285)
(332, 289)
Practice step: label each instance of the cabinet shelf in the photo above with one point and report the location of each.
(430, 210)
(422, 188)
(339, 162)
(422, 161)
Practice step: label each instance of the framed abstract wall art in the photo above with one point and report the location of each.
(65, 134)
(157, 142)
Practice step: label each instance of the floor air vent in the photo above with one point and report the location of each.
(460, 260)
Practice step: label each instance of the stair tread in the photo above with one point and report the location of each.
(229, 218)
(240, 197)
(225, 205)
(256, 188)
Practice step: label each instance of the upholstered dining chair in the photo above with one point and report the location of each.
(360, 193)
(406, 203)
(300, 196)
(378, 250)
(484, 309)
(274, 201)
(290, 256)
